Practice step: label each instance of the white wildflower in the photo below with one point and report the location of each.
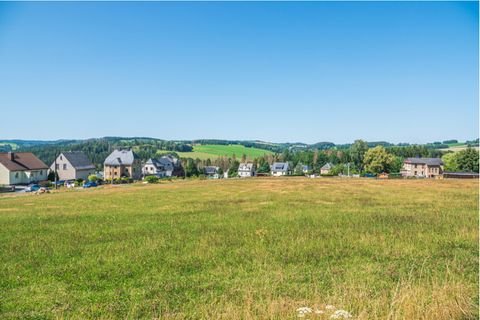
(341, 314)
(304, 310)
(319, 311)
(329, 307)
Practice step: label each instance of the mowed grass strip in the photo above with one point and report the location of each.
(213, 151)
(243, 249)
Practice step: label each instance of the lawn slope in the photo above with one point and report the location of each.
(243, 249)
(214, 151)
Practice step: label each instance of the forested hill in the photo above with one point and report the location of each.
(98, 149)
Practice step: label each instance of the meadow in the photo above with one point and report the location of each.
(243, 249)
(213, 151)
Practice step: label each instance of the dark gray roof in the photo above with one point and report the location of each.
(78, 160)
(427, 161)
(461, 174)
(210, 170)
(120, 157)
(280, 166)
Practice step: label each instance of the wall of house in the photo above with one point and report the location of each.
(4, 175)
(133, 171)
(412, 170)
(66, 171)
(24, 177)
(83, 174)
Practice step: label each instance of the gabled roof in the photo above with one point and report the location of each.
(21, 161)
(427, 161)
(120, 157)
(78, 160)
(327, 166)
(211, 170)
(245, 167)
(279, 166)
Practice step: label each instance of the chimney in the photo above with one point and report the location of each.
(11, 155)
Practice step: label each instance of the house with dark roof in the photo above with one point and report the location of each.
(212, 172)
(122, 163)
(165, 166)
(72, 165)
(21, 168)
(422, 167)
(280, 169)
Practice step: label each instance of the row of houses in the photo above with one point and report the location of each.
(25, 167)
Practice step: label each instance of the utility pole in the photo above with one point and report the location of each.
(55, 170)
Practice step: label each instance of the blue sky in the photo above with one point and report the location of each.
(324, 71)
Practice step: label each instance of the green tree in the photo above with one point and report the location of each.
(298, 171)
(357, 152)
(450, 162)
(468, 160)
(264, 167)
(378, 160)
(233, 170)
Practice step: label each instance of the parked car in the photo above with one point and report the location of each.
(69, 184)
(32, 187)
(90, 184)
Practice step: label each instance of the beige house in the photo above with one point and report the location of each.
(72, 165)
(422, 167)
(122, 163)
(21, 168)
(326, 168)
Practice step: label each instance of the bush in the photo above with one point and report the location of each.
(151, 179)
(126, 180)
(92, 178)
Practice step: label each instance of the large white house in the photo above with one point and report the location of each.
(246, 170)
(162, 167)
(279, 169)
(21, 168)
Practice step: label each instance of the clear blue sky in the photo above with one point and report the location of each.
(331, 71)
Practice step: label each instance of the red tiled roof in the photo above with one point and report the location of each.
(21, 161)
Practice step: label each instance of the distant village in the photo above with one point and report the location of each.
(21, 170)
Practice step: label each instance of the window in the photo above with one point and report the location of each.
(61, 158)
(16, 174)
(41, 172)
(64, 166)
(57, 166)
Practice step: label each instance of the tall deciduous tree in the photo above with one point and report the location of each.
(378, 160)
(357, 152)
(468, 160)
(450, 162)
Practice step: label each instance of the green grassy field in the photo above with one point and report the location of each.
(243, 249)
(214, 151)
(457, 148)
